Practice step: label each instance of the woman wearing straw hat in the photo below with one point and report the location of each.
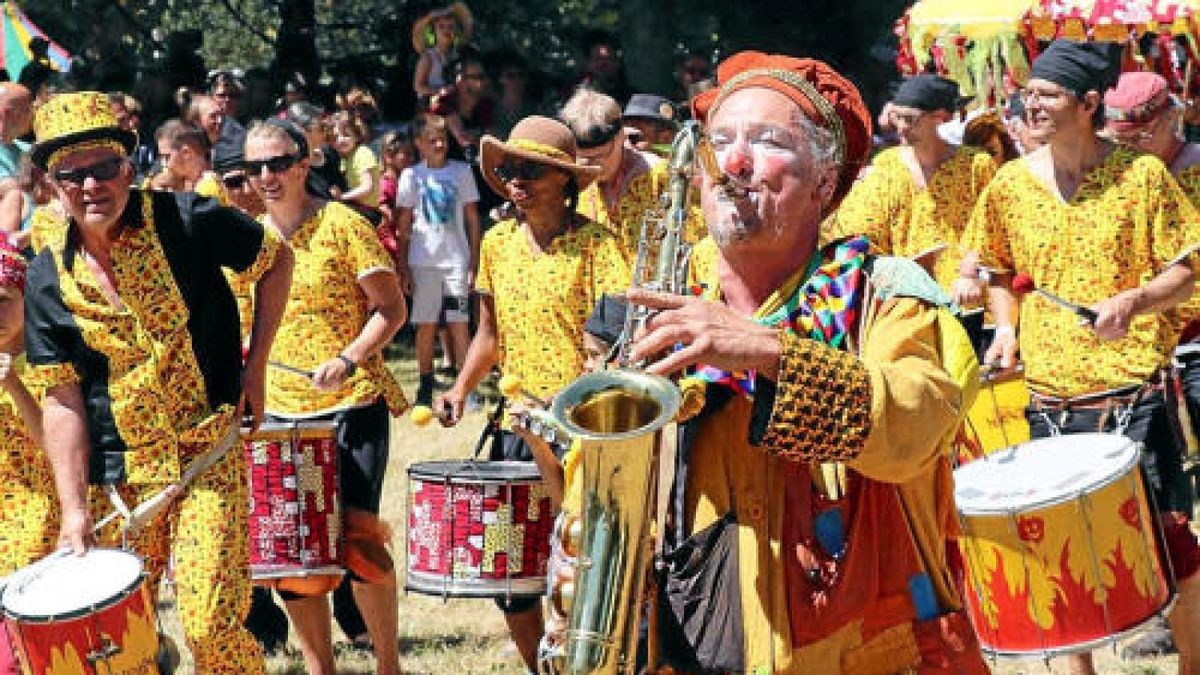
(437, 37)
(540, 274)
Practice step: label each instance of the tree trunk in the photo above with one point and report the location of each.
(648, 40)
(296, 43)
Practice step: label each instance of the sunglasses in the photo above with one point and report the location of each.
(277, 164)
(234, 181)
(510, 171)
(101, 171)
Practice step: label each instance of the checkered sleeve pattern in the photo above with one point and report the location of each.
(822, 407)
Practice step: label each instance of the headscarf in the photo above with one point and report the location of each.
(928, 92)
(826, 97)
(1079, 67)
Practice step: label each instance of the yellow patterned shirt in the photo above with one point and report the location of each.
(1126, 223)
(542, 301)
(159, 373)
(334, 249)
(641, 197)
(902, 219)
(28, 504)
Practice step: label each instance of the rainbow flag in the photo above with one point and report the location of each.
(18, 30)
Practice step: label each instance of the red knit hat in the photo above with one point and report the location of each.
(825, 96)
(1138, 99)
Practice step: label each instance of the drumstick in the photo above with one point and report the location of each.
(1023, 283)
(291, 369)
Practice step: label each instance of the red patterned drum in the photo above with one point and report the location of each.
(1059, 546)
(88, 615)
(296, 540)
(477, 529)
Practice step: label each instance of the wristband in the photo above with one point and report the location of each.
(1005, 330)
(351, 366)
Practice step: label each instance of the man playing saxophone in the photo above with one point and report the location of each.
(813, 476)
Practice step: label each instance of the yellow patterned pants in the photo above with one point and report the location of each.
(28, 524)
(205, 531)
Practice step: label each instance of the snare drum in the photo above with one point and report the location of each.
(1059, 546)
(296, 540)
(477, 529)
(90, 615)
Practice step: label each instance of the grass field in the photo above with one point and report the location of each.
(468, 636)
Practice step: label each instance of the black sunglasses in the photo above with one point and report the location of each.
(511, 170)
(101, 171)
(277, 164)
(234, 181)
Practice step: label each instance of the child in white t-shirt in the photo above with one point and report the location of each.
(436, 215)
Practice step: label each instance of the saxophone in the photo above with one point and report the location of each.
(617, 417)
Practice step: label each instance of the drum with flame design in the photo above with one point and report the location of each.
(296, 537)
(1060, 546)
(996, 420)
(89, 615)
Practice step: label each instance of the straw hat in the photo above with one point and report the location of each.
(73, 121)
(536, 139)
(423, 26)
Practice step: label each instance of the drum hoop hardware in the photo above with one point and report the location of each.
(1085, 509)
(448, 538)
(1116, 475)
(82, 612)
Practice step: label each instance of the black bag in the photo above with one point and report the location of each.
(699, 602)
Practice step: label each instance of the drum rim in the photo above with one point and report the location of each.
(434, 584)
(109, 603)
(290, 428)
(1080, 647)
(323, 571)
(1086, 488)
(529, 469)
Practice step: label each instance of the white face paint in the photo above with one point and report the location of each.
(759, 142)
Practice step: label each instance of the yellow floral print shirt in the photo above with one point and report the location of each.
(1126, 223)
(640, 198)
(154, 370)
(542, 300)
(902, 219)
(24, 463)
(326, 310)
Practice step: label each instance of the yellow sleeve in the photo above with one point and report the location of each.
(878, 206)
(271, 243)
(884, 411)
(572, 480)
(1174, 222)
(983, 170)
(986, 232)
(483, 280)
(364, 252)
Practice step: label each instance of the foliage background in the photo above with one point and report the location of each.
(122, 41)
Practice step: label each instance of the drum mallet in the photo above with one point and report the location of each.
(510, 386)
(1023, 284)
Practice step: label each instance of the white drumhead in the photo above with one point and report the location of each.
(1042, 472)
(70, 583)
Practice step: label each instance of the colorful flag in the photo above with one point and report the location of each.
(18, 31)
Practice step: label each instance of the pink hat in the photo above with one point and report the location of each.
(1138, 99)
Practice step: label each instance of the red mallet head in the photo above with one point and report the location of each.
(1023, 283)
